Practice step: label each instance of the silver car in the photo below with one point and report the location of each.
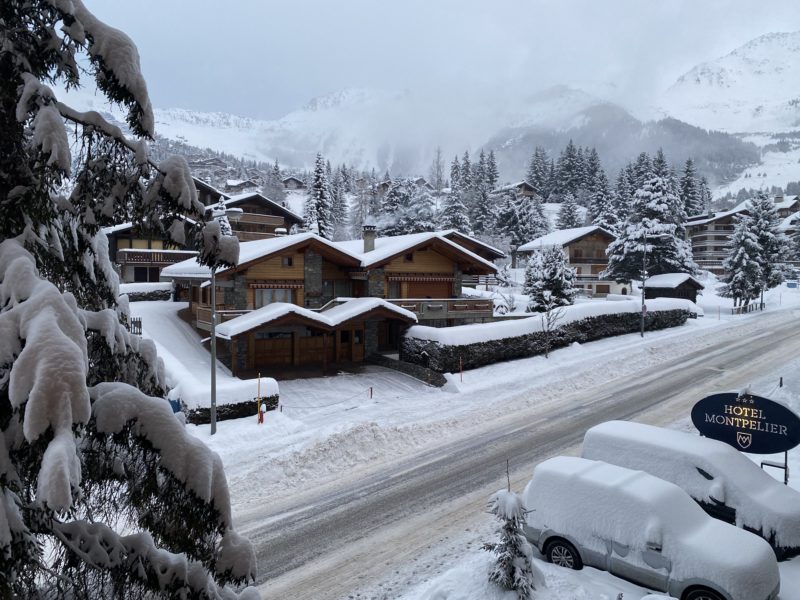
(643, 529)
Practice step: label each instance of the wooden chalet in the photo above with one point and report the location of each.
(261, 217)
(293, 183)
(586, 253)
(301, 286)
(520, 188)
(672, 285)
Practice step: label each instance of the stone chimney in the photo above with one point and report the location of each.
(370, 232)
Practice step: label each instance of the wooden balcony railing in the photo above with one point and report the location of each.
(134, 256)
(248, 217)
(446, 308)
(204, 316)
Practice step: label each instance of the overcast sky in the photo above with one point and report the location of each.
(264, 58)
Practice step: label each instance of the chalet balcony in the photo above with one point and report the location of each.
(584, 279)
(204, 316)
(428, 309)
(135, 256)
(250, 236)
(592, 260)
(271, 220)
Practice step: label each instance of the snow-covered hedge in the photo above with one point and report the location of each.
(236, 410)
(141, 292)
(477, 345)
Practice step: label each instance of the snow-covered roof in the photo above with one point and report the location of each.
(448, 233)
(332, 317)
(511, 186)
(115, 228)
(785, 203)
(237, 198)
(292, 177)
(715, 217)
(561, 237)
(387, 247)
(790, 222)
(670, 280)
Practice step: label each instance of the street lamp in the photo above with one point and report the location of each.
(224, 216)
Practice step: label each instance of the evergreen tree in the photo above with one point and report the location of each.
(394, 209)
(690, 193)
(420, 214)
(593, 167)
(743, 274)
(492, 173)
(649, 234)
(466, 178)
(568, 215)
(454, 214)
(705, 196)
(773, 245)
(623, 195)
(455, 176)
(103, 490)
(318, 209)
(538, 174)
(483, 215)
(642, 171)
(661, 167)
(339, 207)
(552, 181)
(569, 170)
(479, 173)
(514, 568)
(601, 206)
(549, 280)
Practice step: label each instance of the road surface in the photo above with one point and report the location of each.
(327, 542)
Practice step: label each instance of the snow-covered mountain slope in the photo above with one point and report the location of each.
(755, 88)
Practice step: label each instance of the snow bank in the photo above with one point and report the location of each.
(476, 333)
(144, 287)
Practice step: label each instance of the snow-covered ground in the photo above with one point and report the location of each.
(332, 426)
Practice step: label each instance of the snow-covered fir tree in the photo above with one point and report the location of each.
(568, 215)
(104, 493)
(318, 209)
(538, 174)
(601, 204)
(743, 274)
(648, 238)
(623, 195)
(395, 203)
(521, 219)
(454, 214)
(455, 176)
(549, 280)
(705, 196)
(339, 206)
(690, 194)
(483, 215)
(492, 172)
(773, 244)
(569, 170)
(436, 172)
(513, 569)
(641, 171)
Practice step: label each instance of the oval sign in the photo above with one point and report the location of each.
(748, 423)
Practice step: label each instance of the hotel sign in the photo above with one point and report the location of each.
(748, 423)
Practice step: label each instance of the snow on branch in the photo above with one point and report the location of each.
(42, 338)
(118, 60)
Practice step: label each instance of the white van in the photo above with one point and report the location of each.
(727, 484)
(644, 529)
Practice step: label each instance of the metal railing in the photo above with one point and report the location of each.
(136, 256)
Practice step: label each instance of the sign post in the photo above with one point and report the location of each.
(750, 424)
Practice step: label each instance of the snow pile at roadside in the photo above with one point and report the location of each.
(476, 333)
(144, 287)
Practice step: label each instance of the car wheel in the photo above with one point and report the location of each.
(702, 594)
(563, 554)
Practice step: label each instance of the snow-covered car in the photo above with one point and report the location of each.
(727, 484)
(643, 529)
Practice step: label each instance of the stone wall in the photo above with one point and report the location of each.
(149, 296)
(202, 416)
(370, 337)
(444, 359)
(312, 267)
(375, 283)
(236, 295)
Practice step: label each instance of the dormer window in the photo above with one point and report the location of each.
(286, 261)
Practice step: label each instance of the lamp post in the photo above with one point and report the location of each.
(644, 279)
(213, 411)
(218, 213)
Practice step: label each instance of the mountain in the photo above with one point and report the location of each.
(754, 89)
(399, 131)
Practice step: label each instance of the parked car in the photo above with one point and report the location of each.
(644, 529)
(727, 484)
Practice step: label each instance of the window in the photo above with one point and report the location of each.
(408, 257)
(394, 289)
(262, 297)
(286, 261)
(343, 288)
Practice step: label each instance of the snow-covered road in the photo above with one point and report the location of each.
(354, 531)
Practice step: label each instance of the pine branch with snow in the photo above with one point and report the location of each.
(514, 568)
(93, 462)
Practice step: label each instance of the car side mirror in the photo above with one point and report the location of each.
(717, 492)
(653, 546)
(653, 535)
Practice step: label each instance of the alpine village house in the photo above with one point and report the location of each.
(297, 303)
